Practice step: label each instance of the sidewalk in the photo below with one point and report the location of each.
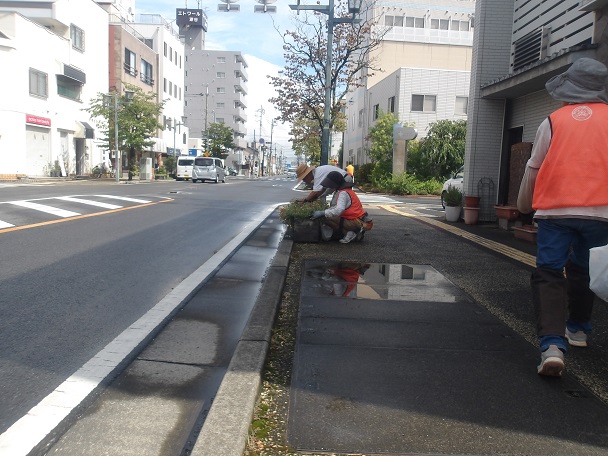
(430, 351)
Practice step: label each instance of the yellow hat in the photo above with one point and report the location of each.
(302, 170)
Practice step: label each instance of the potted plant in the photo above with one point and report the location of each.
(296, 215)
(452, 200)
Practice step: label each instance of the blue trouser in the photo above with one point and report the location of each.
(564, 243)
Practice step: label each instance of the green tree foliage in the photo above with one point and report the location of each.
(381, 138)
(220, 140)
(441, 152)
(137, 121)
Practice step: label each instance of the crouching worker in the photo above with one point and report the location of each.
(345, 219)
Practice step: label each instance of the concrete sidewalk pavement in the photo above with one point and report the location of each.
(431, 350)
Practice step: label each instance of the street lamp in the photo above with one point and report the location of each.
(177, 125)
(354, 6)
(107, 101)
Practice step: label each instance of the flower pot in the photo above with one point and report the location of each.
(306, 230)
(471, 201)
(452, 213)
(507, 212)
(471, 215)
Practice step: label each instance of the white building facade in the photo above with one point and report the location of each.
(425, 56)
(56, 68)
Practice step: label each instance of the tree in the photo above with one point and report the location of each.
(301, 86)
(219, 140)
(442, 150)
(381, 138)
(137, 121)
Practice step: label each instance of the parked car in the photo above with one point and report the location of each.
(455, 181)
(184, 167)
(209, 168)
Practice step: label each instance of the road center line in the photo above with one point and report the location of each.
(24, 435)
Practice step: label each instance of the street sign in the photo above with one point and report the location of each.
(261, 140)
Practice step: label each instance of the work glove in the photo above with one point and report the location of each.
(317, 214)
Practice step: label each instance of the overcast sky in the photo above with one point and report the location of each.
(255, 37)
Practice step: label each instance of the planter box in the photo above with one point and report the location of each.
(525, 233)
(452, 213)
(306, 230)
(507, 212)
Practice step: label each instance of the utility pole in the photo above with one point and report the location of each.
(270, 152)
(261, 111)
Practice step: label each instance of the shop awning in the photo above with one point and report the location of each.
(84, 130)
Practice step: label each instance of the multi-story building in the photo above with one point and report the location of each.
(216, 85)
(52, 68)
(425, 56)
(160, 36)
(517, 47)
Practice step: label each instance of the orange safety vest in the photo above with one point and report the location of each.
(355, 210)
(575, 170)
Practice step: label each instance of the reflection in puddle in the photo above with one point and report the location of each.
(400, 282)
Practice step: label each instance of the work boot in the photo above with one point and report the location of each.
(549, 296)
(580, 299)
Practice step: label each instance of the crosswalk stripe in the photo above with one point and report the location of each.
(124, 198)
(44, 208)
(89, 202)
(5, 224)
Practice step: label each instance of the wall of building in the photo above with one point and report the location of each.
(36, 130)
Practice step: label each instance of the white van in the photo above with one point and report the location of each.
(209, 168)
(184, 167)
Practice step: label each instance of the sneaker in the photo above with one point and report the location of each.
(576, 338)
(552, 362)
(349, 237)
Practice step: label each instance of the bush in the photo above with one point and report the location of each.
(300, 210)
(363, 172)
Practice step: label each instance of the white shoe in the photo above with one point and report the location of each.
(349, 237)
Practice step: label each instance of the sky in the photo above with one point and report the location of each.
(252, 34)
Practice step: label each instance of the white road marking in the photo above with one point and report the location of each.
(125, 198)
(45, 208)
(89, 202)
(42, 419)
(5, 224)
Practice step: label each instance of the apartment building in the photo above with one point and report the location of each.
(425, 56)
(518, 46)
(160, 36)
(52, 68)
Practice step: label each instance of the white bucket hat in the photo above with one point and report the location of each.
(584, 82)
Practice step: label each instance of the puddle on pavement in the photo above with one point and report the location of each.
(377, 281)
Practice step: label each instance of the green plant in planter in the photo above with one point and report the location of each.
(452, 197)
(300, 211)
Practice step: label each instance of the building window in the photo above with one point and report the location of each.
(165, 48)
(221, 60)
(165, 85)
(219, 120)
(461, 106)
(170, 87)
(424, 103)
(219, 105)
(175, 60)
(68, 88)
(376, 111)
(146, 72)
(39, 83)
(174, 90)
(360, 117)
(393, 21)
(391, 104)
(220, 74)
(180, 93)
(220, 90)
(170, 54)
(414, 22)
(77, 37)
(130, 63)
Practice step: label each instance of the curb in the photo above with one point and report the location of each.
(226, 428)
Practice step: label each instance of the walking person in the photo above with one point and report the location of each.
(565, 184)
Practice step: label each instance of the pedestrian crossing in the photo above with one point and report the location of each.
(21, 213)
